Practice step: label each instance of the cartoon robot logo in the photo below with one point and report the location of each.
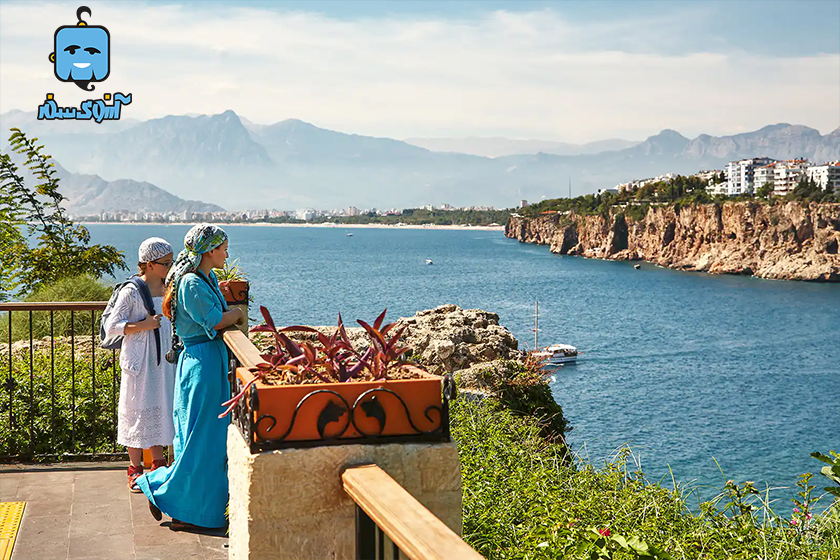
(82, 52)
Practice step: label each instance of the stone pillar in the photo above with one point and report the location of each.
(290, 504)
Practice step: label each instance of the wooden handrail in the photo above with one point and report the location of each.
(413, 528)
(242, 348)
(54, 306)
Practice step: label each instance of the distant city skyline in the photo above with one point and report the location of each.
(555, 71)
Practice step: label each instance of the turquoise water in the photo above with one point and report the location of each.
(682, 367)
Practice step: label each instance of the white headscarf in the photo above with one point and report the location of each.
(153, 249)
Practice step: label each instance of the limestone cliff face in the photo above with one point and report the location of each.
(791, 241)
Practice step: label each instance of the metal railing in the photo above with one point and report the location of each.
(391, 522)
(59, 392)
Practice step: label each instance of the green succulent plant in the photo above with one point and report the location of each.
(232, 272)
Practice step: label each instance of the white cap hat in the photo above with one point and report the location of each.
(152, 249)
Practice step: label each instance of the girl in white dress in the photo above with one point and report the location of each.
(147, 383)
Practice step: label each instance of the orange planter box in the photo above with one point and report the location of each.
(234, 291)
(324, 413)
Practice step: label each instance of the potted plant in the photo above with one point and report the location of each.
(329, 392)
(234, 285)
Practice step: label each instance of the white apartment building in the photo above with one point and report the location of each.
(740, 175)
(763, 175)
(787, 174)
(639, 183)
(715, 189)
(708, 175)
(826, 176)
(306, 214)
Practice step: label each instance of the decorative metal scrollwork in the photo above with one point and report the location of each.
(369, 404)
(332, 412)
(379, 412)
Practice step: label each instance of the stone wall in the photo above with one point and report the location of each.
(290, 504)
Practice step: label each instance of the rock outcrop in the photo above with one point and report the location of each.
(449, 338)
(789, 241)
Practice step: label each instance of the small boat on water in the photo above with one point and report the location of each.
(554, 356)
(349, 234)
(557, 355)
(429, 261)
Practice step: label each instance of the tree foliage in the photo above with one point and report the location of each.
(61, 248)
(809, 190)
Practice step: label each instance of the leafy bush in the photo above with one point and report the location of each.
(521, 500)
(78, 288)
(637, 212)
(522, 389)
(57, 408)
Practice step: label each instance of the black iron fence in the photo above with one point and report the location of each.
(58, 389)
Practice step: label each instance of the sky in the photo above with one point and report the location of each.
(563, 71)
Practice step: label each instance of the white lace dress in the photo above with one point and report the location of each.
(146, 387)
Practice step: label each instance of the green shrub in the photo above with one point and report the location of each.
(521, 500)
(57, 405)
(521, 388)
(79, 288)
(636, 212)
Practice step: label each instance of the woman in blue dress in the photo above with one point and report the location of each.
(194, 489)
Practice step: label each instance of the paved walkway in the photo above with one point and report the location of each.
(86, 511)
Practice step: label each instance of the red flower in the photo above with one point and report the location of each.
(604, 532)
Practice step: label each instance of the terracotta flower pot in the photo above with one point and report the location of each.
(324, 413)
(235, 291)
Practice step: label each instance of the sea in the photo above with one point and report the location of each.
(703, 377)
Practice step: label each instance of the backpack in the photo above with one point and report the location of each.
(114, 342)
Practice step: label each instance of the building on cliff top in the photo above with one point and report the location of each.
(740, 175)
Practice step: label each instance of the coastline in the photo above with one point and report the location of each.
(788, 241)
(322, 225)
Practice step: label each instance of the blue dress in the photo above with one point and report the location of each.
(194, 489)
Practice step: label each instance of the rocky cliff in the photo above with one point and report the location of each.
(790, 241)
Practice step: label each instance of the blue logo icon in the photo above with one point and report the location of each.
(82, 55)
(82, 52)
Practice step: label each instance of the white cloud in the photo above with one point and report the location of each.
(526, 75)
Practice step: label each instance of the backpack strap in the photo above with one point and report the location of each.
(150, 307)
(212, 289)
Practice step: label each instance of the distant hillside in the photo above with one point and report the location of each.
(291, 164)
(495, 147)
(90, 194)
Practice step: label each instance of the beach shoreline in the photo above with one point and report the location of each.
(321, 225)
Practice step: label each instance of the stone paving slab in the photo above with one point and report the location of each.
(85, 511)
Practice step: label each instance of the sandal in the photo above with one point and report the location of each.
(133, 473)
(184, 526)
(177, 525)
(157, 463)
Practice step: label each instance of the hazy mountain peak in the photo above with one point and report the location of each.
(669, 134)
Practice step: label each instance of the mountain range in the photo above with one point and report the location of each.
(90, 194)
(496, 147)
(229, 161)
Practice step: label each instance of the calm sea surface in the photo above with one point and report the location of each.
(685, 368)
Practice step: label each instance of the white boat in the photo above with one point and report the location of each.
(557, 355)
(429, 261)
(349, 234)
